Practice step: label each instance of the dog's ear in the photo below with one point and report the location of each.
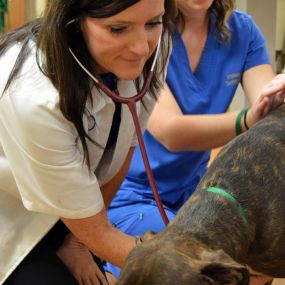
(221, 268)
(226, 274)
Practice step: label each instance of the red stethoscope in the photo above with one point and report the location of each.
(131, 103)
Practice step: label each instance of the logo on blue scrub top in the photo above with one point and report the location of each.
(233, 79)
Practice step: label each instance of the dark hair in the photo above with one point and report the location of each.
(221, 10)
(53, 39)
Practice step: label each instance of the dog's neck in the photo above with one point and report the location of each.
(231, 198)
(222, 226)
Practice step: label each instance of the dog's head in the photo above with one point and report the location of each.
(169, 261)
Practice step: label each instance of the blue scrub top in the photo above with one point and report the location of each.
(209, 90)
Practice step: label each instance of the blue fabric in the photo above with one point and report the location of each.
(209, 91)
(110, 80)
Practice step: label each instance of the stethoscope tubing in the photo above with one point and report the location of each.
(131, 103)
(132, 107)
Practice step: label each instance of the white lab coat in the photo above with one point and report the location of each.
(42, 174)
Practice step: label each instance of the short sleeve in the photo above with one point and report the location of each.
(257, 53)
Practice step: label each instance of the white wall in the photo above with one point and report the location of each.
(239, 100)
(267, 23)
(280, 25)
(30, 10)
(265, 14)
(33, 8)
(40, 5)
(241, 5)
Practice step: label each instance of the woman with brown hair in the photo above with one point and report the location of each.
(64, 144)
(215, 48)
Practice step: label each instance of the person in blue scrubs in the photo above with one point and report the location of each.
(215, 48)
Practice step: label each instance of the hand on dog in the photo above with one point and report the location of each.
(80, 262)
(272, 96)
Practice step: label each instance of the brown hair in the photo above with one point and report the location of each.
(221, 10)
(53, 39)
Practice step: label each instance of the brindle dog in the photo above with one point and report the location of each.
(219, 231)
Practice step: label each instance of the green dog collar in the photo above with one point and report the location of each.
(227, 195)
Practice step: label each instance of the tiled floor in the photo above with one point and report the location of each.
(279, 282)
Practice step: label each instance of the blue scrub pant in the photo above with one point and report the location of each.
(135, 220)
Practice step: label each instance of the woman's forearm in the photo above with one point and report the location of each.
(104, 240)
(196, 132)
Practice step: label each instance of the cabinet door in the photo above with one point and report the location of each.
(16, 14)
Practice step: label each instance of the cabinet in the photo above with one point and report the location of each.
(16, 14)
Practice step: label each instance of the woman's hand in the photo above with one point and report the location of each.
(272, 96)
(79, 261)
